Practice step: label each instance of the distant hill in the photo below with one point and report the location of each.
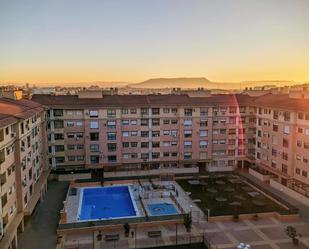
(174, 83)
(205, 83)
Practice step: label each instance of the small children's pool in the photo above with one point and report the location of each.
(106, 203)
(158, 209)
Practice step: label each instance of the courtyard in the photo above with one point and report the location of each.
(227, 194)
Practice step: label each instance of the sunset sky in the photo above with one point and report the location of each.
(54, 41)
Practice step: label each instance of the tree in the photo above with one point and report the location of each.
(126, 227)
(291, 232)
(188, 221)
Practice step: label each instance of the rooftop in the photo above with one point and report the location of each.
(72, 101)
(12, 110)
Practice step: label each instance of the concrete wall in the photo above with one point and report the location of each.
(290, 192)
(259, 176)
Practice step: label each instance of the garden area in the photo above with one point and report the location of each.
(228, 194)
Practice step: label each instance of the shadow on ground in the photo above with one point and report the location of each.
(40, 229)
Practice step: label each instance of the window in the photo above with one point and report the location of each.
(94, 147)
(155, 133)
(71, 158)
(134, 144)
(79, 123)
(233, 109)
(94, 159)
(125, 122)
(300, 115)
(203, 155)
(285, 143)
(187, 144)
(203, 144)
(204, 133)
(125, 133)
(71, 147)
(69, 112)
(155, 155)
(111, 136)
(187, 155)
(166, 133)
(58, 113)
(111, 124)
(59, 148)
(59, 136)
(111, 113)
(166, 121)
(93, 114)
(155, 144)
(203, 122)
(94, 124)
(112, 158)
(133, 111)
(174, 121)
(58, 124)
(203, 111)
(144, 133)
(125, 144)
(111, 147)
(144, 111)
(155, 111)
(155, 121)
(144, 122)
(187, 134)
(70, 124)
(166, 110)
(286, 129)
(144, 144)
(134, 122)
(125, 111)
(187, 122)
(188, 112)
(94, 136)
(134, 133)
(79, 146)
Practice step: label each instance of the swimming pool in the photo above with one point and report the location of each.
(106, 203)
(157, 209)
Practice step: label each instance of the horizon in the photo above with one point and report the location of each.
(52, 43)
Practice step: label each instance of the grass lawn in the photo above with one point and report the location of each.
(226, 194)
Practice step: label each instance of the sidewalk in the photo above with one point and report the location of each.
(40, 228)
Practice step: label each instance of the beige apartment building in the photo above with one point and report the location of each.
(282, 141)
(150, 134)
(23, 172)
(131, 135)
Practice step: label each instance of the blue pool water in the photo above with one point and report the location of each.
(106, 203)
(162, 209)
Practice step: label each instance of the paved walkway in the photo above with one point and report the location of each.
(303, 209)
(265, 233)
(40, 229)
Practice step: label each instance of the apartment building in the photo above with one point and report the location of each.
(23, 172)
(141, 133)
(282, 141)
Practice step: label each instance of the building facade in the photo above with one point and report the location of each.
(23, 172)
(148, 132)
(176, 133)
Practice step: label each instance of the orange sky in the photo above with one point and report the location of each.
(70, 41)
